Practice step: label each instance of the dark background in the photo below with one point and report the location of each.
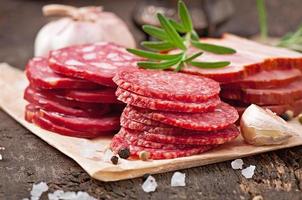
(28, 159)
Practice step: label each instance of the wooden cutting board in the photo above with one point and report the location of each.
(89, 153)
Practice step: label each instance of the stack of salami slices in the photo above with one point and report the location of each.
(267, 76)
(171, 114)
(72, 92)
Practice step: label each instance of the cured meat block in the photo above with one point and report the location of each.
(41, 76)
(167, 85)
(166, 105)
(266, 79)
(223, 116)
(119, 142)
(273, 96)
(251, 58)
(97, 62)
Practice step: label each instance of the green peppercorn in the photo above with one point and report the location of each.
(144, 155)
(114, 160)
(124, 153)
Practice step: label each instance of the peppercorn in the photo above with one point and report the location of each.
(300, 118)
(124, 153)
(114, 160)
(144, 155)
(287, 115)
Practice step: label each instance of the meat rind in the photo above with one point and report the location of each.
(97, 62)
(41, 75)
(223, 116)
(166, 105)
(167, 85)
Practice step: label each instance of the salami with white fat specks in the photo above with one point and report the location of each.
(221, 117)
(40, 75)
(97, 62)
(167, 85)
(166, 105)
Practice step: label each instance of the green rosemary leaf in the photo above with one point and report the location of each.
(210, 65)
(159, 65)
(178, 26)
(152, 55)
(184, 16)
(194, 36)
(156, 32)
(158, 45)
(174, 37)
(192, 57)
(213, 48)
(180, 65)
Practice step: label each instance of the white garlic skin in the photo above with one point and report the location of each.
(67, 31)
(263, 127)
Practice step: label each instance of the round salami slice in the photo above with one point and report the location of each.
(97, 62)
(62, 106)
(166, 105)
(167, 85)
(104, 95)
(83, 124)
(223, 116)
(32, 115)
(118, 143)
(41, 75)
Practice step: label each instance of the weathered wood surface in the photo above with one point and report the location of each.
(27, 159)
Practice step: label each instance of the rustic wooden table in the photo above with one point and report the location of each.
(27, 159)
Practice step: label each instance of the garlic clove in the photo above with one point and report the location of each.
(263, 127)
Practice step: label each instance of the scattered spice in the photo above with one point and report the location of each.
(287, 115)
(114, 160)
(237, 164)
(249, 171)
(144, 155)
(178, 179)
(124, 153)
(150, 184)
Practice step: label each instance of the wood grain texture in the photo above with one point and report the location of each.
(27, 159)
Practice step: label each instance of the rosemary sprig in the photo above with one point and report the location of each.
(177, 35)
(292, 40)
(262, 19)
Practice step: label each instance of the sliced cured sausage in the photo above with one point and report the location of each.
(97, 62)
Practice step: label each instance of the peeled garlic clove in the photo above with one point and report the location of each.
(263, 127)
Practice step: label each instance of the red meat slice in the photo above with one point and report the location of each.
(251, 58)
(40, 121)
(118, 142)
(55, 104)
(273, 96)
(41, 76)
(266, 79)
(167, 85)
(97, 62)
(166, 105)
(83, 124)
(223, 116)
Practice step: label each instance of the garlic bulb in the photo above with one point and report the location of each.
(80, 26)
(263, 127)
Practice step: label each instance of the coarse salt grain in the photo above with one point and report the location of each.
(61, 195)
(249, 171)
(1, 157)
(237, 164)
(150, 184)
(38, 190)
(178, 179)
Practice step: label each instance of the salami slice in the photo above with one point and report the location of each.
(95, 62)
(40, 75)
(32, 115)
(167, 85)
(223, 116)
(266, 79)
(91, 125)
(104, 95)
(62, 106)
(118, 143)
(166, 105)
(273, 96)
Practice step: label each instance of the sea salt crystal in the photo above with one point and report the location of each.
(2, 148)
(150, 184)
(237, 164)
(61, 195)
(0, 157)
(249, 171)
(178, 179)
(108, 155)
(38, 190)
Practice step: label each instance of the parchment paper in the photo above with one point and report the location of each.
(12, 84)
